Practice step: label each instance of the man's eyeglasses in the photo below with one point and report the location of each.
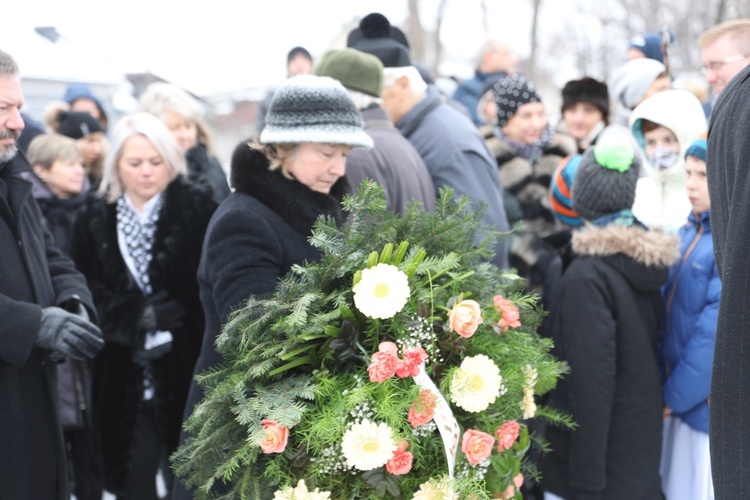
(717, 65)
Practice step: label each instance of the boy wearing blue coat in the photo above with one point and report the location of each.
(686, 344)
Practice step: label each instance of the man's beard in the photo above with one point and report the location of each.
(9, 151)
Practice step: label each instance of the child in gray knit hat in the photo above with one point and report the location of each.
(604, 184)
(606, 327)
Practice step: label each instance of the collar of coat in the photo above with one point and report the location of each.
(296, 203)
(647, 247)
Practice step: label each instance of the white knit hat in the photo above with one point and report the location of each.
(309, 108)
(630, 81)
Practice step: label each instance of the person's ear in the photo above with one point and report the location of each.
(402, 83)
(40, 172)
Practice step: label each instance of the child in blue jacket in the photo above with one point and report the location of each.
(686, 344)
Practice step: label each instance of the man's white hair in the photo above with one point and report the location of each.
(416, 83)
(362, 100)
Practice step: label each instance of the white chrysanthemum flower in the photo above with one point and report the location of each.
(382, 292)
(435, 490)
(476, 383)
(368, 445)
(300, 492)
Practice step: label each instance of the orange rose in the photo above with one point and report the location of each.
(465, 318)
(275, 438)
(510, 317)
(477, 446)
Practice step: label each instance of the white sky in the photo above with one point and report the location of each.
(221, 45)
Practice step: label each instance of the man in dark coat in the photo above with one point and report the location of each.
(38, 288)
(392, 162)
(451, 147)
(729, 188)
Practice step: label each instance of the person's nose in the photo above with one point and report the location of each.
(338, 166)
(15, 120)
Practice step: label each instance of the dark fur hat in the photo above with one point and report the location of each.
(587, 90)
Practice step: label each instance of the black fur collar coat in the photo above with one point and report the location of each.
(118, 379)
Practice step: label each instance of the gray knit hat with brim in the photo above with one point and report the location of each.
(309, 108)
(605, 181)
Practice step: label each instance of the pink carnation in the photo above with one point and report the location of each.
(506, 435)
(510, 317)
(477, 446)
(384, 363)
(423, 409)
(410, 365)
(400, 463)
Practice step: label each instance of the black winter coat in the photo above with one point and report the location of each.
(205, 171)
(255, 238)
(729, 187)
(607, 329)
(73, 377)
(118, 379)
(33, 274)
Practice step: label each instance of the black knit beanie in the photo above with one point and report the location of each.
(606, 178)
(76, 125)
(376, 36)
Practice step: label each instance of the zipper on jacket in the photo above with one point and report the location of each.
(689, 250)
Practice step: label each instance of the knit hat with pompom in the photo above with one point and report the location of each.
(606, 178)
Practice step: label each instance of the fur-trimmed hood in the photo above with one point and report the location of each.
(642, 256)
(296, 203)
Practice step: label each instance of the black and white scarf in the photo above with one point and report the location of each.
(139, 238)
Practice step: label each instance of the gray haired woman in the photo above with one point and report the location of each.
(283, 183)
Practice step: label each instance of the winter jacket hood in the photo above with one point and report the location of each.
(641, 256)
(661, 197)
(679, 111)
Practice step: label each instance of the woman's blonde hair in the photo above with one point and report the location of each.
(161, 139)
(278, 155)
(161, 96)
(46, 149)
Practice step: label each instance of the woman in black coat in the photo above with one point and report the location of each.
(281, 187)
(139, 248)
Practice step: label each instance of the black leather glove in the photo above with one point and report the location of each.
(69, 334)
(76, 307)
(162, 313)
